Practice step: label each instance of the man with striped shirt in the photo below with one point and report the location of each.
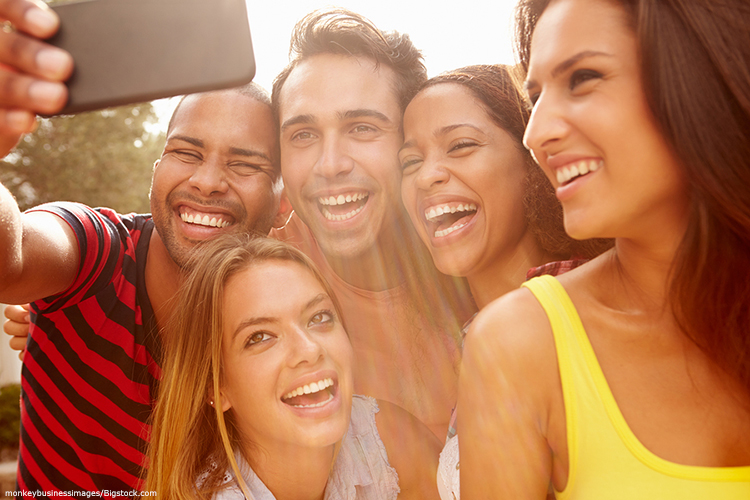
(101, 281)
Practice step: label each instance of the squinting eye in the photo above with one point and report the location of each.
(321, 317)
(462, 145)
(583, 75)
(408, 163)
(244, 168)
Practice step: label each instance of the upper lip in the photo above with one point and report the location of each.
(210, 209)
(310, 378)
(336, 192)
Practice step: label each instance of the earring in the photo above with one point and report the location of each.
(211, 402)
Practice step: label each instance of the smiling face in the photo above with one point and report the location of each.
(591, 129)
(463, 180)
(216, 173)
(287, 359)
(340, 134)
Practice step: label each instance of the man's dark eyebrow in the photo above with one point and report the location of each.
(364, 113)
(249, 153)
(567, 63)
(296, 120)
(188, 139)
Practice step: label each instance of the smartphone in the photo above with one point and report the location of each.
(128, 51)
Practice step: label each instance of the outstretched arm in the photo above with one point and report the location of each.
(38, 251)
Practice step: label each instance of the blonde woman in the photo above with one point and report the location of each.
(256, 395)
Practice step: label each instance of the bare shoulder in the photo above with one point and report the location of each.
(511, 326)
(412, 449)
(509, 392)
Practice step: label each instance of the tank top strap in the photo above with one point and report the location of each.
(583, 406)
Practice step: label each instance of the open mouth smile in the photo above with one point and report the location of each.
(311, 395)
(342, 207)
(204, 219)
(447, 218)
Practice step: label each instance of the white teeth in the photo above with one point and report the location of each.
(434, 212)
(446, 232)
(204, 221)
(328, 215)
(574, 170)
(341, 199)
(315, 405)
(310, 389)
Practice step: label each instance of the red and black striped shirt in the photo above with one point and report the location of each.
(91, 366)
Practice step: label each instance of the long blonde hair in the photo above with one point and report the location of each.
(193, 444)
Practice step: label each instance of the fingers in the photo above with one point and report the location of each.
(34, 18)
(17, 326)
(34, 57)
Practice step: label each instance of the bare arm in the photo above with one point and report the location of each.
(507, 374)
(413, 451)
(38, 253)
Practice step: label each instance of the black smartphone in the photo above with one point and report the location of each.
(128, 51)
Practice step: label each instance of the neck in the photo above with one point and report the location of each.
(382, 266)
(505, 272)
(293, 472)
(162, 278)
(641, 269)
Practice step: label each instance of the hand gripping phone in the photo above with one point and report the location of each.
(128, 51)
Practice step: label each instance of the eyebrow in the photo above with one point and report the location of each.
(188, 139)
(567, 63)
(267, 319)
(232, 150)
(346, 115)
(443, 131)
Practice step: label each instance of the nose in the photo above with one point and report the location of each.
(547, 126)
(431, 173)
(305, 348)
(334, 159)
(209, 178)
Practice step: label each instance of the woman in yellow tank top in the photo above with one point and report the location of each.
(628, 377)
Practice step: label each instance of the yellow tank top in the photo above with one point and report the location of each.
(606, 460)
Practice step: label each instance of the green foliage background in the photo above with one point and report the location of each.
(10, 415)
(100, 158)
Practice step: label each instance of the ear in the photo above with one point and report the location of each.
(285, 211)
(225, 402)
(156, 164)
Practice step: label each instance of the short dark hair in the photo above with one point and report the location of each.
(340, 31)
(252, 90)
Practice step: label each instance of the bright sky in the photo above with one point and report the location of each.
(450, 34)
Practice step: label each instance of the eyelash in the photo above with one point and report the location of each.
(250, 342)
(462, 145)
(581, 76)
(330, 314)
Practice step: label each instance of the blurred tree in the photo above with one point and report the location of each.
(100, 158)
